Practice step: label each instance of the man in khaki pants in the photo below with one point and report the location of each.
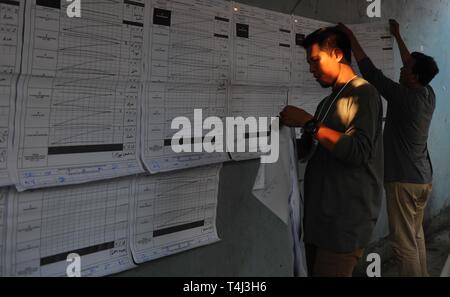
(408, 170)
(406, 204)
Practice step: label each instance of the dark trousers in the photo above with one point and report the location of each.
(323, 263)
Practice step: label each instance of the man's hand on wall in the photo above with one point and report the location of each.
(346, 30)
(394, 27)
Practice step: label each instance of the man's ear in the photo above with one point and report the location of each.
(338, 54)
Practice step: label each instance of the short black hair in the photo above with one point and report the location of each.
(330, 38)
(425, 67)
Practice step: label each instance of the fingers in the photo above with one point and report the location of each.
(291, 116)
(282, 117)
(394, 23)
(342, 27)
(285, 114)
(283, 121)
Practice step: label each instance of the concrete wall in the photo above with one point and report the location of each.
(254, 242)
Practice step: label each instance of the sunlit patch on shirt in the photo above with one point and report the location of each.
(346, 109)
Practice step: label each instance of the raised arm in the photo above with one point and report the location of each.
(395, 31)
(358, 51)
(390, 90)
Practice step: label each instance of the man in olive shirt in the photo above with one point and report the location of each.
(408, 169)
(343, 179)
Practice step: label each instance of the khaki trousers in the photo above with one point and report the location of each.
(406, 204)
